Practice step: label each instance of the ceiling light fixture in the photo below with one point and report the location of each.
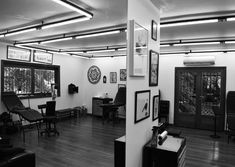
(74, 7)
(65, 22)
(196, 43)
(56, 40)
(2, 35)
(187, 22)
(26, 43)
(101, 50)
(231, 19)
(20, 31)
(229, 42)
(98, 34)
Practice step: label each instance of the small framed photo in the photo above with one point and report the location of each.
(153, 68)
(121, 85)
(154, 30)
(20, 54)
(142, 105)
(122, 74)
(156, 103)
(113, 77)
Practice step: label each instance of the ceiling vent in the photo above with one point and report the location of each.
(199, 60)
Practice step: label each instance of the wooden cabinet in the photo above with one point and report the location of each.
(171, 153)
(120, 152)
(96, 102)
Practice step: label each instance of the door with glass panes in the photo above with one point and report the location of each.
(197, 89)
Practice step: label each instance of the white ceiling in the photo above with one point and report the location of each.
(111, 13)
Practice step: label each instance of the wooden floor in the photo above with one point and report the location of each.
(87, 143)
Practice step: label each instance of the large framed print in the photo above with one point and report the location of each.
(142, 105)
(156, 105)
(21, 54)
(94, 74)
(153, 68)
(42, 57)
(138, 49)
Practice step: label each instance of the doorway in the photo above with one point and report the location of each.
(196, 90)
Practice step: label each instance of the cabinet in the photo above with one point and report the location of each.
(96, 102)
(171, 153)
(120, 152)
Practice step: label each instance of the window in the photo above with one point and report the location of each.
(31, 79)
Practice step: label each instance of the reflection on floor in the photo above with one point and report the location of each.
(86, 142)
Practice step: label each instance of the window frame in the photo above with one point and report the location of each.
(32, 67)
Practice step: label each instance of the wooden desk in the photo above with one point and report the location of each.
(171, 153)
(120, 152)
(96, 102)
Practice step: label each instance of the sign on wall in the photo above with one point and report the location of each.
(43, 57)
(16, 53)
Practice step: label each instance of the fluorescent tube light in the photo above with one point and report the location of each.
(182, 23)
(56, 40)
(2, 35)
(165, 45)
(104, 50)
(229, 42)
(98, 34)
(20, 31)
(231, 19)
(73, 7)
(121, 49)
(196, 43)
(26, 43)
(65, 22)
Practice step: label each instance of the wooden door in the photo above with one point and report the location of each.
(196, 90)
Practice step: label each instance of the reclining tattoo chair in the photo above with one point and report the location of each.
(15, 106)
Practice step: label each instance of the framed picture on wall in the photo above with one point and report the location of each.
(138, 49)
(42, 57)
(21, 54)
(142, 105)
(154, 30)
(122, 74)
(153, 68)
(156, 102)
(113, 77)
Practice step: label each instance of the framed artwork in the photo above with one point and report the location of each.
(142, 105)
(113, 77)
(138, 49)
(21, 54)
(153, 68)
(154, 30)
(104, 79)
(156, 103)
(42, 57)
(94, 74)
(122, 74)
(121, 85)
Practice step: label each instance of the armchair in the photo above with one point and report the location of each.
(120, 100)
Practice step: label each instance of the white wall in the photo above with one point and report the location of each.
(71, 71)
(167, 64)
(106, 66)
(137, 135)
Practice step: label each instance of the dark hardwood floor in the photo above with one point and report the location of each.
(86, 142)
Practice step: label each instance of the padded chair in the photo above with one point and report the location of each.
(15, 106)
(112, 108)
(164, 110)
(50, 119)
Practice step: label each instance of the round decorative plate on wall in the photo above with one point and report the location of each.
(94, 74)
